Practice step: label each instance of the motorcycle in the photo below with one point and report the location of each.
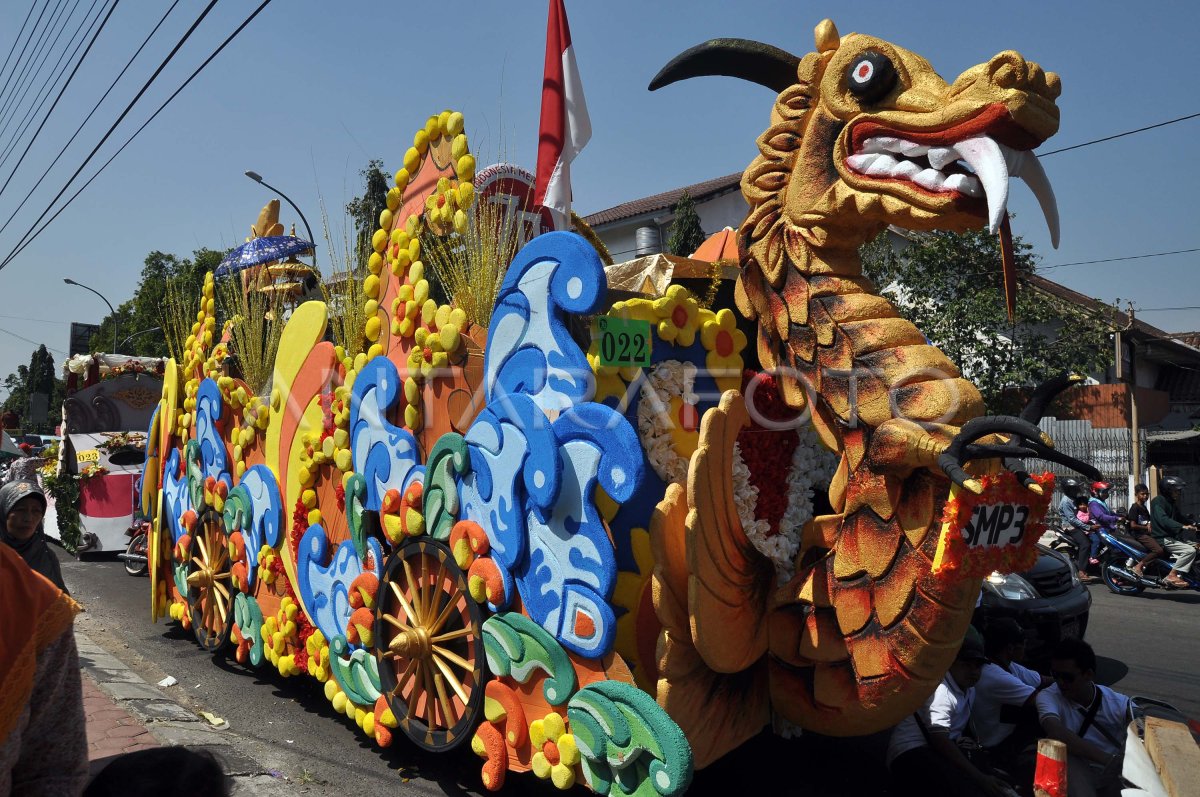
(1120, 553)
(136, 556)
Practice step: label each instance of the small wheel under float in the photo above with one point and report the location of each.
(210, 582)
(429, 644)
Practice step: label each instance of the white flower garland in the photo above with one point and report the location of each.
(812, 465)
(668, 380)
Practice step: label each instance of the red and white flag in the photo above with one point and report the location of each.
(565, 127)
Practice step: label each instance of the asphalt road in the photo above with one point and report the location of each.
(1147, 646)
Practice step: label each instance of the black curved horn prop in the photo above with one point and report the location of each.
(1046, 392)
(741, 58)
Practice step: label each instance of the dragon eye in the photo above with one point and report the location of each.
(871, 76)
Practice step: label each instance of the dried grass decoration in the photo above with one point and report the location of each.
(179, 308)
(470, 265)
(343, 291)
(254, 330)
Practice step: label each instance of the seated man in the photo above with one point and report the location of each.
(924, 755)
(1004, 713)
(1088, 718)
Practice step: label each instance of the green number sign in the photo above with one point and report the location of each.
(624, 342)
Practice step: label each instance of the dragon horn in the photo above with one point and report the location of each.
(741, 58)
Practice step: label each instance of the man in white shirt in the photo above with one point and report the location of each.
(923, 754)
(1088, 718)
(1004, 715)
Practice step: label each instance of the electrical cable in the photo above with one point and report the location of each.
(20, 33)
(32, 32)
(82, 124)
(55, 75)
(27, 76)
(207, 61)
(145, 87)
(46, 118)
(32, 342)
(1118, 135)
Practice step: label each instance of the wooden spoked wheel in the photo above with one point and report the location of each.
(210, 582)
(430, 645)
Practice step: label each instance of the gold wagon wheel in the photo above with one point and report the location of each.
(210, 582)
(430, 645)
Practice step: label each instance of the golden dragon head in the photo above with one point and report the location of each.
(865, 134)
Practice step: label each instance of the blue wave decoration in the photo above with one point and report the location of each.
(324, 583)
(384, 454)
(176, 499)
(529, 348)
(532, 482)
(255, 509)
(209, 406)
(567, 580)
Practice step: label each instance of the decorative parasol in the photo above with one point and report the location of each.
(262, 250)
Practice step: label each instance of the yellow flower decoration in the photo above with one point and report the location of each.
(677, 311)
(725, 343)
(555, 753)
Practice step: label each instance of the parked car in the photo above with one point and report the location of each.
(1048, 600)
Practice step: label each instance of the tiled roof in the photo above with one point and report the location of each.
(665, 200)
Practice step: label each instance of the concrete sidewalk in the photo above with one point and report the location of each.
(125, 714)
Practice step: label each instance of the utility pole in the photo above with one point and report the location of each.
(1134, 428)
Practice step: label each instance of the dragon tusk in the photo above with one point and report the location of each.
(986, 159)
(1030, 170)
(741, 58)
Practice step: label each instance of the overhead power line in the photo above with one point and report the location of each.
(20, 56)
(1118, 135)
(55, 75)
(20, 33)
(34, 342)
(1119, 259)
(30, 73)
(33, 234)
(61, 91)
(82, 124)
(145, 87)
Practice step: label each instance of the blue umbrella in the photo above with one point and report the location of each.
(262, 250)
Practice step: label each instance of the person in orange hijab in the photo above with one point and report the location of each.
(43, 741)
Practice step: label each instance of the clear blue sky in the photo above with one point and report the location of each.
(313, 89)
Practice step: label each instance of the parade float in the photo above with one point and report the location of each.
(94, 479)
(608, 535)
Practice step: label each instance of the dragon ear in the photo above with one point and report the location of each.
(827, 37)
(749, 60)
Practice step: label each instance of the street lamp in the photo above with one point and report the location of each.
(143, 332)
(111, 311)
(256, 177)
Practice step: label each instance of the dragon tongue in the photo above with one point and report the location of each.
(986, 159)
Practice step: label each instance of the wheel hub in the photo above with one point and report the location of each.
(412, 644)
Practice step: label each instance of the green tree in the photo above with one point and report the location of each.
(140, 319)
(686, 233)
(37, 377)
(949, 285)
(364, 209)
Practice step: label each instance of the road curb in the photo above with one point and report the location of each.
(172, 723)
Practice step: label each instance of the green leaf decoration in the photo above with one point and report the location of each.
(447, 460)
(356, 491)
(249, 619)
(517, 647)
(629, 744)
(195, 474)
(180, 571)
(357, 674)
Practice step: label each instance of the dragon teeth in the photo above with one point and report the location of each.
(930, 179)
(965, 184)
(941, 157)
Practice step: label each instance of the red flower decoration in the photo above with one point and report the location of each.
(955, 556)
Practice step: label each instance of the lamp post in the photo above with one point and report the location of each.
(143, 332)
(111, 311)
(256, 177)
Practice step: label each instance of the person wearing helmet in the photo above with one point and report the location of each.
(1079, 531)
(1101, 514)
(1166, 524)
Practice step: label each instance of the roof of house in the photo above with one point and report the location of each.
(1165, 346)
(665, 200)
